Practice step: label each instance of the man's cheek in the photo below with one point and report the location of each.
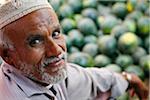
(64, 46)
(35, 56)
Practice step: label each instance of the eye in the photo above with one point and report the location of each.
(56, 34)
(35, 41)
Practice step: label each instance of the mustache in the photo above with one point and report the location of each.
(52, 59)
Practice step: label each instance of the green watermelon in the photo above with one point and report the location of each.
(100, 33)
(76, 38)
(123, 61)
(120, 10)
(147, 12)
(89, 3)
(130, 25)
(73, 49)
(77, 17)
(140, 41)
(91, 49)
(107, 45)
(101, 60)
(137, 54)
(118, 30)
(65, 11)
(107, 23)
(142, 5)
(90, 39)
(145, 63)
(76, 5)
(114, 68)
(68, 42)
(90, 13)
(55, 4)
(128, 43)
(136, 70)
(103, 10)
(87, 26)
(82, 59)
(135, 15)
(68, 24)
(144, 26)
(147, 44)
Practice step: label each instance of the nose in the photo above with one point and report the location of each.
(52, 48)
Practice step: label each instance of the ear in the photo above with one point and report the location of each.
(6, 55)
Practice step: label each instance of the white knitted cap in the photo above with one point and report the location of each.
(15, 9)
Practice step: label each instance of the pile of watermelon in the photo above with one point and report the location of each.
(107, 33)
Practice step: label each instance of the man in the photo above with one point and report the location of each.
(35, 68)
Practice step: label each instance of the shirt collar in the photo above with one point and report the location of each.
(28, 87)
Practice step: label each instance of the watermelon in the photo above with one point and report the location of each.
(144, 26)
(91, 49)
(90, 13)
(147, 44)
(107, 24)
(68, 42)
(87, 26)
(55, 4)
(77, 17)
(123, 61)
(65, 11)
(68, 24)
(90, 39)
(76, 5)
(145, 63)
(119, 30)
(101, 60)
(120, 9)
(128, 43)
(130, 25)
(136, 70)
(100, 33)
(83, 59)
(114, 68)
(76, 38)
(137, 54)
(135, 15)
(147, 12)
(142, 6)
(107, 45)
(103, 10)
(89, 3)
(73, 49)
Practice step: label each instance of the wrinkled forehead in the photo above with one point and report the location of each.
(36, 18)
(32, 22)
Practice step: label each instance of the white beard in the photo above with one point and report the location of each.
(46, 77)
(60, 76)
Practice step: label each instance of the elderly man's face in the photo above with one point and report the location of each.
(38, 46)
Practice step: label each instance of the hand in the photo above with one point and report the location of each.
(136, 84)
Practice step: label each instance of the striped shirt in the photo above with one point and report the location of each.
(81, 84)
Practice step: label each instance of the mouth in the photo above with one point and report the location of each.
(54, 64)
